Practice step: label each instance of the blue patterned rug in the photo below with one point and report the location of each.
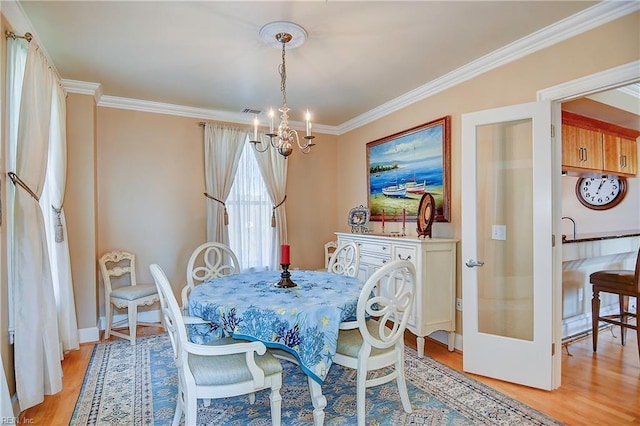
(137, 385)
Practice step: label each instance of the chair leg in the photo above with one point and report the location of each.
(276, 403)
(108, 314)
(132, 312)
(178, 414)
(361, 393)
(624, 317)
(402, 385)
(595, 314)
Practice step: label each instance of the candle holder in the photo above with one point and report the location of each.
(404, 230)
(285, 277)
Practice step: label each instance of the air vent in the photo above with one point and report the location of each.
(251, 111)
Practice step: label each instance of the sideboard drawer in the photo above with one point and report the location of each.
(375, 261)
(378, 248)
(405, 253)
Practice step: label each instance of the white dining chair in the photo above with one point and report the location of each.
(208, 261)
(120, 266)
(376, 339)
(220, 369)
(345, 260)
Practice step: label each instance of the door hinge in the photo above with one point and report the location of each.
(553, 240)
(553, 131)
(553, 349)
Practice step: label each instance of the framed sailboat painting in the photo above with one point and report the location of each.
(404, 166)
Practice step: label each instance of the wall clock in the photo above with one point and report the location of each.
(601, 193)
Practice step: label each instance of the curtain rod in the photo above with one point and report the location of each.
(26, 36)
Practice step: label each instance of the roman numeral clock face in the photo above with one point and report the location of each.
(601, 193)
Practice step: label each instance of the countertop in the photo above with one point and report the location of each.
(597, 236)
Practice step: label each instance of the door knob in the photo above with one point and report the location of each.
(472, 263)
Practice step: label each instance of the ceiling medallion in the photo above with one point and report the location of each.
(283, 34)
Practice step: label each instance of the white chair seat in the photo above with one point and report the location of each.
(229, 369)
(134, 292)
(350, 341)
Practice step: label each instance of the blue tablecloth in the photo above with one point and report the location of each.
(303, 320)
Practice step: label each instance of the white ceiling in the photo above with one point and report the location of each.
(207, 55)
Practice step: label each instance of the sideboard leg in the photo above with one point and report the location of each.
(420, 344)
(452, 341)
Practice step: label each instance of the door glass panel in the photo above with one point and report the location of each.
(505, 229)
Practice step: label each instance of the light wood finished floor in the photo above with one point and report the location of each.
(597, 389)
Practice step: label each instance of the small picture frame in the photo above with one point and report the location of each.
(358, 219)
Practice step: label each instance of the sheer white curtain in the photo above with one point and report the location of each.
(222, 148)
(55, 223)
(273, 167)
(36, 348)
(249, 206)
(16, 61)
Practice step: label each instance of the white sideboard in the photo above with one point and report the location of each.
(435, 262)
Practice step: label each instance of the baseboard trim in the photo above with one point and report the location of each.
(91, 334)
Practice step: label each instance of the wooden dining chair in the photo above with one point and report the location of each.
(220, 369)
(345, 260)
(207, 262)
(120, 265)
(376, 339)
(624, 283)
(329, 248)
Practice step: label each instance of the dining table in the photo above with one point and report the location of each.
(302, 321)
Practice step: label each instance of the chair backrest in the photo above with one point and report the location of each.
(394, 287)
(171, 313)
(211, 260)
(117, 264)
(329, 248)
(345, 260)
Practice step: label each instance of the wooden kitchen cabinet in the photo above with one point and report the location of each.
(592, 146)
(581, 148)
(621, 155)
(435, 261)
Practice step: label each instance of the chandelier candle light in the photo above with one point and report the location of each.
(294, 35)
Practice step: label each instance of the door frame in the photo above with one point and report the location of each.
(598, 82)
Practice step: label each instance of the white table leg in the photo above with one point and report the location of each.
(318, 400)
(420, 344)
(452, 341)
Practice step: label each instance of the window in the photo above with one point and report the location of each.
(249, 208)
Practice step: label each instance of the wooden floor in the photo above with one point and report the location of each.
(597, 389)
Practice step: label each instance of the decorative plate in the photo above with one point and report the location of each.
(426, 213)
(359, 218)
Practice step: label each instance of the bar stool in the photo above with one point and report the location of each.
(624, 283)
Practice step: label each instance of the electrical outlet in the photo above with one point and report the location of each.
(458, 304)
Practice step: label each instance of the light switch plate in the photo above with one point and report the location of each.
(499, 232)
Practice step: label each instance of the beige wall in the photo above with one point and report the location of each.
(611, 45)
(80, 205)
(150, 185)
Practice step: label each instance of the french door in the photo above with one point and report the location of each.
(507, 250)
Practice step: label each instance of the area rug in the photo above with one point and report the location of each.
(137, 385)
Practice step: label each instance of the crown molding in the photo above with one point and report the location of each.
(201, 113)
(607, 79)
(586, 20)
(593, 17)
(83, 88)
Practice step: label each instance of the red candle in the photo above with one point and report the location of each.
(284, 254)
(404, 216)
(383, 218)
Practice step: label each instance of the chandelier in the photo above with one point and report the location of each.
(285, 137)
